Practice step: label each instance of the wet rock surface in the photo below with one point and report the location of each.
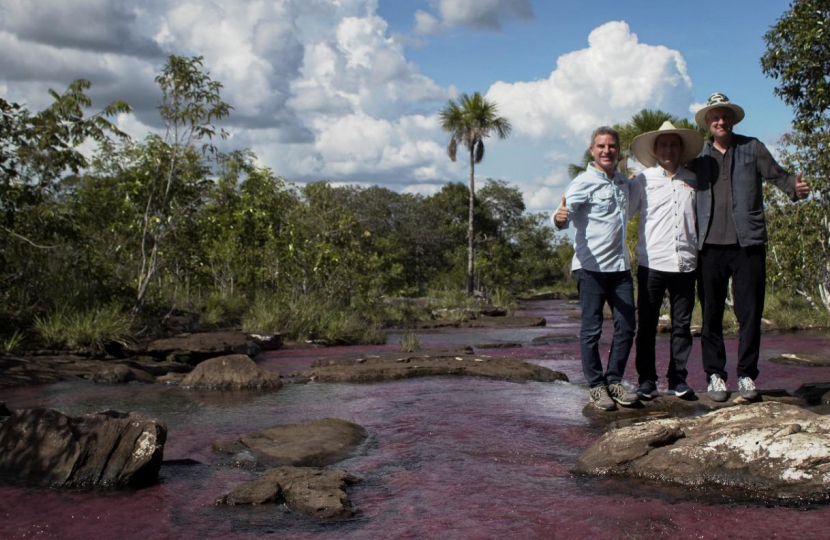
(770, 451)
(484, 322)
(499, 345)
(317, 492)
(110, 449)
(233, 372)
(195, 348)
(819, 359)
(815, 393)
(554, 338)
(667, 405)
(312, 444)
(394, 366)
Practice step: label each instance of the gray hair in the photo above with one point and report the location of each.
(605, 130)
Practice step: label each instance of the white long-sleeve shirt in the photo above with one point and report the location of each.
(667, 230)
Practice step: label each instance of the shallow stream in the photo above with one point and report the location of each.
(447, 457)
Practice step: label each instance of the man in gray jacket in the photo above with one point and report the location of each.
(732, 238)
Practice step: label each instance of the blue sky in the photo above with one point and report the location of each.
(348, 90)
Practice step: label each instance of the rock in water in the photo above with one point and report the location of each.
(317, 492)
(313, 444)
(110, 449)
(233, 372)
(771, 451)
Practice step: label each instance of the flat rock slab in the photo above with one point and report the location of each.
(771, 451)
(505, 345)
(819, 359)
(670, 406)
(554, 338)
(27, 371)
(484, 322)
(233, 372)
(313, 444)
(195, 348)
(316, 492)
(110, 449)
(390, 367)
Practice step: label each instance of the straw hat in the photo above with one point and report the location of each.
(643, 145)
(717, 100)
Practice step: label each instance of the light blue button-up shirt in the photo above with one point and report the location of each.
(598, 207)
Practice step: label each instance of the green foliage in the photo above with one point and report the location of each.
(92, 329)
(798, 55)
(410, 342)
(12, 343)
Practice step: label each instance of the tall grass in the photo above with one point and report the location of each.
(12, 343)
(93, 328)
(311, 318)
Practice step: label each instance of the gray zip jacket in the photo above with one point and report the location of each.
(752, 163)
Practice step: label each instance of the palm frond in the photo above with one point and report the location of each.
(452, 148)
(479, 151)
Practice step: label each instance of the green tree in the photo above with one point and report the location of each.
(191, 103)
(798, 56)
(470, 120)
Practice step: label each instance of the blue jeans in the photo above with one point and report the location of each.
(596, 288)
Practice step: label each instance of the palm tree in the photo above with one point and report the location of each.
(470, 120)
(644, 121)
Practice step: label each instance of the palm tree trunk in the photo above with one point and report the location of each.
(471, 249)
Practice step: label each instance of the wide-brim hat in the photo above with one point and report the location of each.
(643, 145)
(717, 100)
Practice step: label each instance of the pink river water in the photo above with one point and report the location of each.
(448, 458)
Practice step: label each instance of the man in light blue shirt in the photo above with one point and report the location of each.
(596, 202)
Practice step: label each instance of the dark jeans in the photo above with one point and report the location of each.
(595, 289)
(747, 267)
(652, 286)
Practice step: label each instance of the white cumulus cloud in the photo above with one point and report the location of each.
(476, 14)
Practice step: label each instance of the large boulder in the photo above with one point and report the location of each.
(233, 372)
(109, 449)
(195, 348)
(771, 451)
(317, 492)
(427, 364)
(313, 444)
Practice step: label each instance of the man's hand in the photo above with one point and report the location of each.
(561, 215)
(802, 190)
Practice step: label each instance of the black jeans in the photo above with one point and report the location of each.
(747, 267)
(596, 288)
(652, 286)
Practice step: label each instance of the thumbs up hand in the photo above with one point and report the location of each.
(802, 190)
(561, 216)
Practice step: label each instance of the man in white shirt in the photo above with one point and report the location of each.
(664, 195)
(597, 202)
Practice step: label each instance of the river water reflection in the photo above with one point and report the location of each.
(447, 457)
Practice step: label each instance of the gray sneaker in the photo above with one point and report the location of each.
(747, 388)
(717, 388)
(622, 395)
(601, 400)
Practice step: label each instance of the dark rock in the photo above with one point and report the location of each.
(313, 444)
(819, 359)
(233, 372)
(27, 371)
(553, 338)
(492, 311)
(155, 366)
(504, 345)
(484, 322)
(109, 449)
(317, 492)
(119, 373)
(195, 348)
(815, 393)
(771, 451)
(4, 411)
(171, 378)
(267, 342)
(394, 366)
